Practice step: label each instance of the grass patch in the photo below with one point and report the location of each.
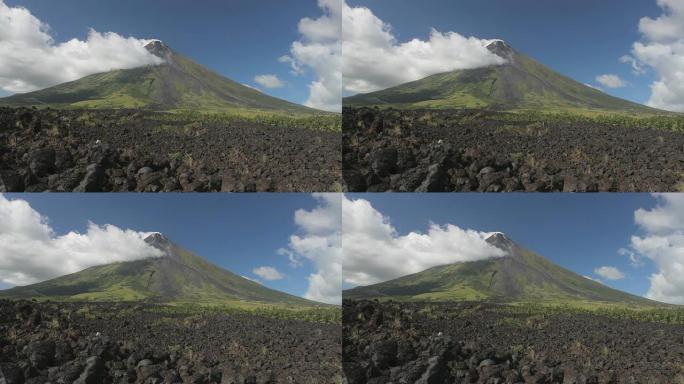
(666, 314)
(322, 314)
(322, 122)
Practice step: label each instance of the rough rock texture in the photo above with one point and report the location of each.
(127, 343)
(103, 151)
(442, 151)
(482, 343)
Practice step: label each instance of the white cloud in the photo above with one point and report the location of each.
(593, 86)
(319, 242)
(665, 218)
(668, 26)
(662, 48)
(637, 67)
(611, 81)
(373, 59)
(662, 242)
(319, 49)
(634, 259)
(269, 81)
(30, 251)
(30, 59)
(268, 273)
(375, 252)
(610, 273)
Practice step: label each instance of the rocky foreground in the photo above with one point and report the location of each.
(462, 151)
(484, 343)
(127, 343)
(119, 151)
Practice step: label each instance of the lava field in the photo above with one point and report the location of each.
(486, 343)
(136, 343)
(120, 151)
(469, 150)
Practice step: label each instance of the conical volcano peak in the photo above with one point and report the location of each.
(172, 82)
(519, 276)
(501, 241)
(501, 49)
(175, 274)
(158, 240)
(159, 49)
(498, 236)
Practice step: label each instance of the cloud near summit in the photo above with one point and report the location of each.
(374, 251)
(30, 59)
(30, 251)
(374, 59)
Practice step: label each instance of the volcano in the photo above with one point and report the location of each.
(519, 276)
(521, 83)
(179, 83)
(177, 276)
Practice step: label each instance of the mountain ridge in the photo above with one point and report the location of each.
(519, 84)
(518, 276)
(177, 276)
(178, 83)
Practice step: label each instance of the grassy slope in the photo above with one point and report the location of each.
(180, 85)
(531, 279)
(522, 85)
(187, 280)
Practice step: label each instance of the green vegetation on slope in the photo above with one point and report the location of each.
(519, 84)
(321, 122)
(519, 277)
(669, 122)
(179, 277)
(319, 314)
(178, 84)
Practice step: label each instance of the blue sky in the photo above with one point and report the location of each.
(238, 232)
(237, 38)
(580, 232)
(580, 38)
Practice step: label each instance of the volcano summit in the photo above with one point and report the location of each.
(178, 83)
(177, 276)
(520, 83)
(519, 276)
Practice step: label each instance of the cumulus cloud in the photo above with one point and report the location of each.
(611, 81)
(319, 241)
(375, 252)
(662, 242)
(610, 273)
(319, 50)
(637, 67)
(662, 49)
(269, 81)
(30, 59)
(268, 273)
(374, 59)
(30, 251)
(634, 259)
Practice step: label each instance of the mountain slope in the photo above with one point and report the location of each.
(520, 276)
(520, 84)
(178, 83)
(177, 276)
